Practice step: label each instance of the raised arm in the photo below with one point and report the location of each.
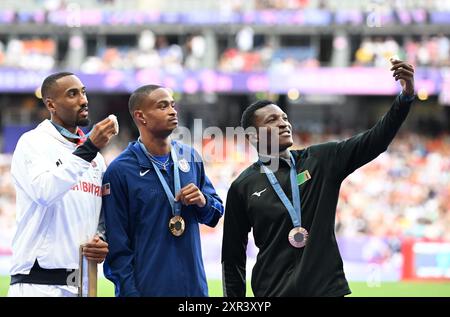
(364, 147)
(43, 181)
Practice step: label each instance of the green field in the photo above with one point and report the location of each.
(401, 289)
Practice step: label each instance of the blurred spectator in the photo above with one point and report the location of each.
(359, 12)
(404, 192)
(265, 57)
(32, 54)
(195, 52)
(2, 53)
(431, 52)
(377, 52)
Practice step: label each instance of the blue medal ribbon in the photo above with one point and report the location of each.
(176, 206)
(64, 132)
(294, 210)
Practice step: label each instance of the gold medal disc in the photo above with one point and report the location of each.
(176, 225)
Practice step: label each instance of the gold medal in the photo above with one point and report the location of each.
(176, 225)
(298, 237)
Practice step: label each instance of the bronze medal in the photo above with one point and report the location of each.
(298, 237)
(176, 225)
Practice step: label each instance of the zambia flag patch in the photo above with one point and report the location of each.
(303, 177)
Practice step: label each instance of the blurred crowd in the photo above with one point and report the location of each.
(23, 12)
(431, 51)
(31, 54)
(156, 52)
(236, 50)
(7, 205)
(405, 192)
(152, 52)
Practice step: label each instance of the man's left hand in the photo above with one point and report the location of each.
(405, 73)
(96, 250)
(191, 195)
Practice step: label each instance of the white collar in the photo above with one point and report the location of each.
(47, 127)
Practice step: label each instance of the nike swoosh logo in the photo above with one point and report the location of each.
(143, 173)
(259, 193)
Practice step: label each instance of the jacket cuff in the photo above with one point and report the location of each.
(210, 213)
(206, 207)
(87, 151)
(406, 99)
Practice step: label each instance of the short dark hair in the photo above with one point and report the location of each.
(248, 114)
(138, 95)
(50, 81)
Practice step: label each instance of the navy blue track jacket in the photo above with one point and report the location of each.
(144, 258)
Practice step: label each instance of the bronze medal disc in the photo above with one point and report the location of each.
(298, 237)
(176, 225)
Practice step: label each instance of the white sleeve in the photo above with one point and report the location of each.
(43, 181)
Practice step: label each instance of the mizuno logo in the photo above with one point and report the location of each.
(143, 173)
(259, 193)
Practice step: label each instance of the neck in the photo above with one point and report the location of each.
(156, 145)
(70, 129)
(285, 154)
(282, 154)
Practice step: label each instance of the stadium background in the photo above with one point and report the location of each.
(324, 62)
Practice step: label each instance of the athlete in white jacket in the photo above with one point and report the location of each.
(58, 180)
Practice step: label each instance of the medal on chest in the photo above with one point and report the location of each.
(176, 225)
(298, 236)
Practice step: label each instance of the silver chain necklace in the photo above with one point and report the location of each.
(164, 165)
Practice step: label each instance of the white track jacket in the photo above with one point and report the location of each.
(58, 200)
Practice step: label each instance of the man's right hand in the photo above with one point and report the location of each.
(102, 132)
(405, 73)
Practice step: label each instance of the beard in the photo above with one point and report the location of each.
(82, 122)
(285, 145)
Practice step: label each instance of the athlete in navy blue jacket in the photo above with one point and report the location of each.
(155, 195)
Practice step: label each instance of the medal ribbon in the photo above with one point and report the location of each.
(294, 210)
(64, 132)
(176, 206)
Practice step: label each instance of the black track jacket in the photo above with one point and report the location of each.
(280, 269)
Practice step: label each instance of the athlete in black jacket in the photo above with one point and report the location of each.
(308, 263)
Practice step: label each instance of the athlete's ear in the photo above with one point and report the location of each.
(139, 116)
(252, 135)
(49, 104)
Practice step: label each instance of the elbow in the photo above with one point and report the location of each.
(211, 213)
(41, 197)
(46, 193)
(383, 149)
(43, 201)
(375, 151)
(214, 216)
(213, 221)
